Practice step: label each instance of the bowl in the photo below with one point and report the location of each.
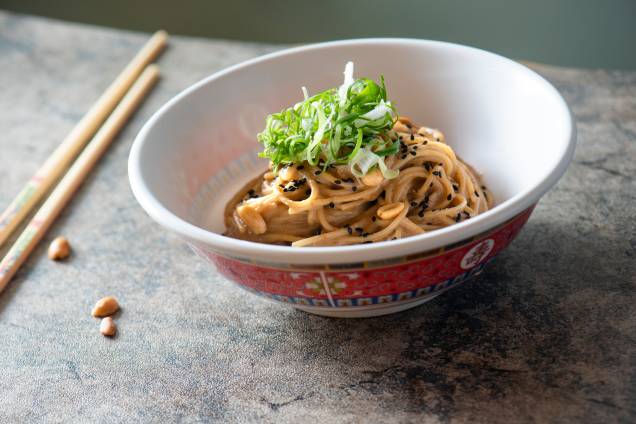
(502, 118)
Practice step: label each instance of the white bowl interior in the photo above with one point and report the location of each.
(500, 117)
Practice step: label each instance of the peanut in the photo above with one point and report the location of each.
(373, 178)
(107, 327)
(288, 173)
(390, 211)
(252, 219)
(432, 132)
(59, 249)
(105, 307)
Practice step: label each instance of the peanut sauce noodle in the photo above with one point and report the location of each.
(304, 205)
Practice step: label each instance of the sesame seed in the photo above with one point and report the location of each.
(413, 153)
(318, 172)
(403, 156)
(437, 173)
(365, 235)
(420, 214)
(425, 142)
(300, 167)
(450, 196)
(412, 137)
(332, 205)
(373, 218)
(455, 187)
(359, 230)
(476, 194)
(338, 182)
(349, 230)
(354, 188)
(458, 217)
(413, 204)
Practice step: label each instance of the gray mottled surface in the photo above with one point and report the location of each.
(546, 334)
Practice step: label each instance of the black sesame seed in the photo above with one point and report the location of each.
(437, 173)
(300, 167)
(450, 196)
(318, 172)
(373, 218)
(427, 166)
(476, 194)
(251, 192)
(412, 137)
(338, 182)
(354, 188)
(420, 214)
(458, 217)
(455, 187)
(413, 204)
(412, 153)
(365, 235)
(359, 230)
(318, 232)
(403, 156)
(349, 230)
(425, 142)
(332, 205)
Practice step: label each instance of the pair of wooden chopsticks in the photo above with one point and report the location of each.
(102, 122)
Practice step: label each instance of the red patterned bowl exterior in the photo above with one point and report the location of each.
(370, 283)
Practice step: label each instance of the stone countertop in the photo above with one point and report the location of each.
(546, 334)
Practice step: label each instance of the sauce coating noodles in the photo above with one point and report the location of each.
(304, 205)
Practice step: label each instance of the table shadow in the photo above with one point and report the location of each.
(526, 330)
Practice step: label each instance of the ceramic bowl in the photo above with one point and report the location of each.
(506, 121)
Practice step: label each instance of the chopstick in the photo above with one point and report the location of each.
(55, 165)
(63, 192)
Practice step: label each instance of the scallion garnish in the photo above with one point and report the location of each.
(343, 126)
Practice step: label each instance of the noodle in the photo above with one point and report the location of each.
(305, 205)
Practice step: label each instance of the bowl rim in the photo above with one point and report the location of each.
(353, 253)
